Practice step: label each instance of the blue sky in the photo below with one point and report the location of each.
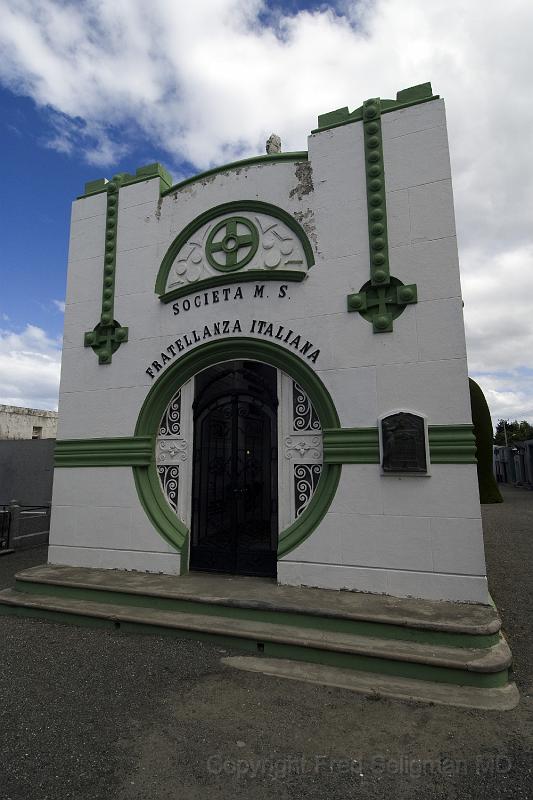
(90, 88)
(36, 216)
(38, 186)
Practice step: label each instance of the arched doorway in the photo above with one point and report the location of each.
(166, 492)
(234, 494)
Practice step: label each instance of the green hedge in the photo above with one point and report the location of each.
(488, 488)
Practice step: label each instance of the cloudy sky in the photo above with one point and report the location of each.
(91, 88)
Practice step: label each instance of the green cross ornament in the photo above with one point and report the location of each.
(380, 305)
(105, 340)
(223, 253)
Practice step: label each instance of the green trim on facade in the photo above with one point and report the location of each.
(145, 173)
(158, 511)
(251, 275)
(351, 445)
(382, 304)
(304, 526)
(184, 555)
(452, 444)
(204, 356)
(127, 451)
(108, 334)
(414, 95)
(406, 669)
(238, 165)
(448, 444)
(383, 298)
(375, 193)
(217, 211)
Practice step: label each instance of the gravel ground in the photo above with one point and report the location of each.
(92, 715)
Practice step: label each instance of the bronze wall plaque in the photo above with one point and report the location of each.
(404, 443)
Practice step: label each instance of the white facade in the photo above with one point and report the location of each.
(408, 535)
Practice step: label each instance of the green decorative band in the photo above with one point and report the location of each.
(452, 444)
(107, 336)
(142, 174)
(202, 357)
(245, 162)
(125, 451)
(448, 444)
(217, 211)
(422, 93)
(351, 445)
(251, 275)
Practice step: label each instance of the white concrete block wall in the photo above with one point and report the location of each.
(104, 502)
(418, 536)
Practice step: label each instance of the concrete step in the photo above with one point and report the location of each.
(501, 698)
(261, 599)
(484, 667)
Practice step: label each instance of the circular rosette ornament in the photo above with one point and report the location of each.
(231, 244)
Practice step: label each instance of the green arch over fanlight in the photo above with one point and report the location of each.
(230, 208)
(207, 355)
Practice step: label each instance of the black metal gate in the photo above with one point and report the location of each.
(234, 525)
(5, 522)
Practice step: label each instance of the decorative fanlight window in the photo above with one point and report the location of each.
(301, 448)
(173, 446)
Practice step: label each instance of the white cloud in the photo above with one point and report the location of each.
(498, 301)
(208, 81)
(509, 395)
(29, 365)
(60, 305)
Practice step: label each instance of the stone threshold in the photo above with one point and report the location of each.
(376, 686)
(264, 594)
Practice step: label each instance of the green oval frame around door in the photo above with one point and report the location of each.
(146, 481)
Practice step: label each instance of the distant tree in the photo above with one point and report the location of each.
(516, 431)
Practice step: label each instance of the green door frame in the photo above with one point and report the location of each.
(173, 530)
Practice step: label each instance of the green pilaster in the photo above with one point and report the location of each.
(383, 298)
(375, 193)
(108, 334)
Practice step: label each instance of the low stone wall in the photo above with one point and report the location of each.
(26, 471)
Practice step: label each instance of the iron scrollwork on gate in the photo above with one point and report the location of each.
(306, 477)
(304, 448)
(171, 449)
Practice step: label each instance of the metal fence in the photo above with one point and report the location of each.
(5, 524)
(22, 527)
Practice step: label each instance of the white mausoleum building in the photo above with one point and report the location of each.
(264, 370)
